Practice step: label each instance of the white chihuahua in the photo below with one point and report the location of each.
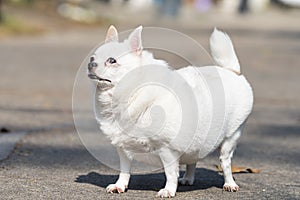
(112, 61)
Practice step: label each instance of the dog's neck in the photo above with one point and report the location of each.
(105, 113)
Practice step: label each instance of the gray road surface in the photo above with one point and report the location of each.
(37, 76)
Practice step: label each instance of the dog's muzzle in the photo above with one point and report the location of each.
(91, 74)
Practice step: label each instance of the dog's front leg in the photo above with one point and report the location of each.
(122, 182)
(170, 162)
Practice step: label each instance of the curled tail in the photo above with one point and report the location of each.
(223, 52)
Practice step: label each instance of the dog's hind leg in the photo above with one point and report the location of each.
(226, 152)
(189, 175)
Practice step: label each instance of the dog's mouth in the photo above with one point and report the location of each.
(94, 76)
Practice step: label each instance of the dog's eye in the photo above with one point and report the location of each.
(111, 60)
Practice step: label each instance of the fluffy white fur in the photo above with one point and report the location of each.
(111, 110)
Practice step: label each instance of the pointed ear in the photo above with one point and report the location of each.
(135, 40)
(111, 35)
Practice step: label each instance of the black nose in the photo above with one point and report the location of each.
(92, 65)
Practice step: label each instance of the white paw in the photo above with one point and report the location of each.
(186, 181)
(165, 193)
(112, 188)
(230, 187)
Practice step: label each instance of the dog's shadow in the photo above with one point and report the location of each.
(204, 179)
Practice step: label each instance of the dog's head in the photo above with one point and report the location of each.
(114, 59)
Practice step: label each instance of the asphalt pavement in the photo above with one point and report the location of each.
(50, 162)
